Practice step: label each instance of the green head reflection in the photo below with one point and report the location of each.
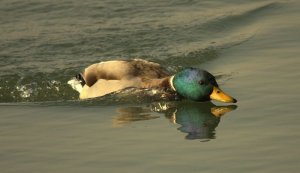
(197, 120)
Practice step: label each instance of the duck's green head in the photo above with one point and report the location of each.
(199, 85)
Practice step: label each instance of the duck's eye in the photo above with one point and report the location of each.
(201, 82)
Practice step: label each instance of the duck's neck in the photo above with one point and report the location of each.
(167, 83)
(171, 82)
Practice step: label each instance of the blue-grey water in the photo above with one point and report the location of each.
(251, 46)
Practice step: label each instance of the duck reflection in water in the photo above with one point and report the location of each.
(197, 120)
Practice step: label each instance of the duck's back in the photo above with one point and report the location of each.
(110, 76)
(123, 69)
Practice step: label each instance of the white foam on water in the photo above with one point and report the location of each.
(75, 84)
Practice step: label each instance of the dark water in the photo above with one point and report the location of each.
(251, 46)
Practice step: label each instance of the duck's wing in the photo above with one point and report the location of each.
(122, 69)
(147, 69)
(103, 87)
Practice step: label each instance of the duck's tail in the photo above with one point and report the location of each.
(77, 82)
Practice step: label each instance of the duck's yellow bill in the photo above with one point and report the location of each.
(221, 96)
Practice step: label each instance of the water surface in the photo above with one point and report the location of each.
(251, 46)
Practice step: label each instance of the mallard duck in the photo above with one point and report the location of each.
(110, 76)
